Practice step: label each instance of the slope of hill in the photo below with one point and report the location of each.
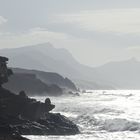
(124, 73)
(31, 85)
(45, 57)
(49, 78)
(42, 57)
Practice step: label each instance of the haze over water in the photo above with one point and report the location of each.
(101, 115)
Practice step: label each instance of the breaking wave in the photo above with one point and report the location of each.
(102, 115)
(113, 125)
(92, 123)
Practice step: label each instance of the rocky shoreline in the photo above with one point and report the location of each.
(14, 112)
(21, 115)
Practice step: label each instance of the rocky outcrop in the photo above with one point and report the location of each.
(55, 124)
(4, 71)
(30, 117)
(7, 133)
(21, 115)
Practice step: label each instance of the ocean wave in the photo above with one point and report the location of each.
(90, 123)
(117, 124)
(90, 110)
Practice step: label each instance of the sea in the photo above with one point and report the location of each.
(100, 115)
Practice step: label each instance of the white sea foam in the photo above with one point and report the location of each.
(100, 115)
(113, 125)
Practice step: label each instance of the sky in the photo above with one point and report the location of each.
(94, 31)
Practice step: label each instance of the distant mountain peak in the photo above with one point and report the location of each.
(45, 44)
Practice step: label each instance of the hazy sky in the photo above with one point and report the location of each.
(94, 31)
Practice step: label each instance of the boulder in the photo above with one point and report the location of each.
(4, 71)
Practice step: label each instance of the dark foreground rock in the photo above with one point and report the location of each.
(7, 133)
(12, 137)
(56, 124)
(21, 115)
(30, 117)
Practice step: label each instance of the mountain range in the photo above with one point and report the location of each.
(124, 74)
(45, 57)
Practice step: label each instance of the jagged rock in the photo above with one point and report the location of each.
(4, 71)
(22, 94)
(47, 101)
(73, 93)
(77, 94)
(31, 117)
(21, 105)
(7, 133)
(55, 124)
(59, 125)
(21, 115)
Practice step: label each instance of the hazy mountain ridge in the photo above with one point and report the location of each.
(124, 73)
(44, 57)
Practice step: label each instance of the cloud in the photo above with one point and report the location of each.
(133, 48)
(33, 36)
(109, 20)
(2, 20)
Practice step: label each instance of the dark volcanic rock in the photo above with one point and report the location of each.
(4, 71)
(13, 137)
(7, 133)
(31, 117)
(59, 125)
(19, 105)
(20, 115)
(56, 124)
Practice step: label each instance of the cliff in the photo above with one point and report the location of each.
(39, 83)
(32, 85)
(45, 57)
(49, 78)
(21, 115)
